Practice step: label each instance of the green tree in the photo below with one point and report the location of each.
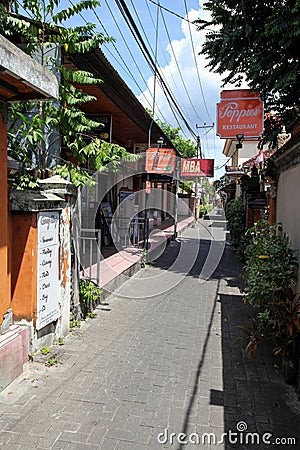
(43, 31)
(221, 183)
(261, 40)
(185, 147)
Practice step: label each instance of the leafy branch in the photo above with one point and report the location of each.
(35, 127)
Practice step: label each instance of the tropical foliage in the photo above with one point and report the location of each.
(89, 297)
(36, 128)
(259, 40)
(270, 274)
(185, 147)
(236, 216)
(221, 183)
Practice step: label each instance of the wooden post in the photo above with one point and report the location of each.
(272, 210)
(24, 265)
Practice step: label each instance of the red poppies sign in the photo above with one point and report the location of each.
(240, 112)
(192, 168)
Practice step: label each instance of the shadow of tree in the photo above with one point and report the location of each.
(254, 395)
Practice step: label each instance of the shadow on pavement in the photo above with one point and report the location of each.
(258, 406)
(194, 394)
(256, 400)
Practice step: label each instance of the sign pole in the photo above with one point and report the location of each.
(199, 154)
(146, 220)
(159, 160)
(176, 200)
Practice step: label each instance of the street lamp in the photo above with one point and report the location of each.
(240, 138)
(160, 142)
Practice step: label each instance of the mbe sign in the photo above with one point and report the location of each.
(240, 112)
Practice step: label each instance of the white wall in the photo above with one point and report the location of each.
(288, 206)
(183, 207)
(248, 150)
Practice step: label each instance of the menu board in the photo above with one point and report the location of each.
(47, 268)
(126, 207)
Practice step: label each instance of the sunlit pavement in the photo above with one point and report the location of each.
(158, 367)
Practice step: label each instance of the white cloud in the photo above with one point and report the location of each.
(203, 107)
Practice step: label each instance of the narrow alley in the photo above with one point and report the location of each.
(160, 369)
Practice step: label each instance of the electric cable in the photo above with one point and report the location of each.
(122, 59)
(128, 48)
(143, 30)
(154, 26)
(172, 12)
(129, 72)
(119, 54)
(24, 9)
(134, 30)
(155, 79)
(165, 88)
(196, 65)
(171, 74)
(220, 167)
(178, 67)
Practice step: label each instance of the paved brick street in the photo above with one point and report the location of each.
(160, 356)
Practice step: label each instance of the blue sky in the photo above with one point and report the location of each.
(195, 89)
(178, 59)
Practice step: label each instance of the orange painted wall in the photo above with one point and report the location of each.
(4, 235)
(24, 266)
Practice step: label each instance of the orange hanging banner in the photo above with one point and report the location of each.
(160, 160)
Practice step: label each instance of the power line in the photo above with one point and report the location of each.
(117, 51)
(142, 28)
(196, 65)
(25, 10)
(172, 110)
(135, 32)
(165, 88)
(154, 53)
(172, 12)
(128, 48)
(130, 73)
(132, 56)
(177, 65)
(165, 58)
(154, 81)
(171, 74)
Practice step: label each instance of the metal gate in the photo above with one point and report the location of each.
(90, 254)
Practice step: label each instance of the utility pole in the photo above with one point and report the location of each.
(160, 144)
(199, 155)
(199, 150)
(206, 127)
(197, 201)
(147, 193)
